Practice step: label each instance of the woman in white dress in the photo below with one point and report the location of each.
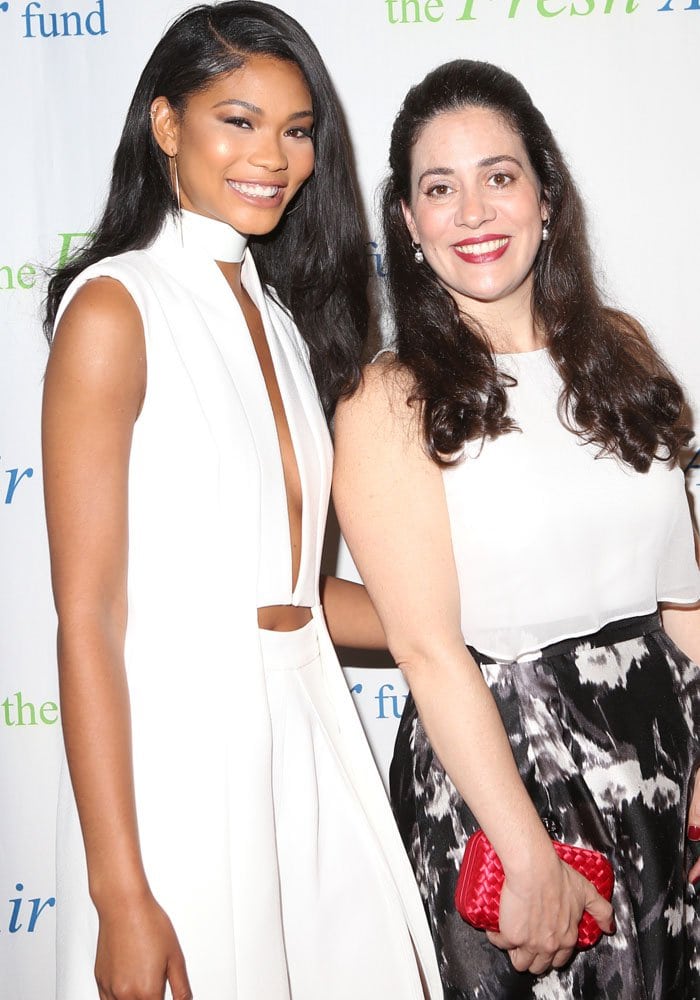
(223, 833)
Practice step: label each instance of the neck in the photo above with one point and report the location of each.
(217, 239)
(508, 323)
(507, 338)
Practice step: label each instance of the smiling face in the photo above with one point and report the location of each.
(244, 144)
(476, 209)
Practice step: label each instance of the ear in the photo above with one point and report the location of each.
(545, 208)
(408, 219)
(165, 125)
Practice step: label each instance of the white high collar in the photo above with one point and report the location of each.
(217, 239)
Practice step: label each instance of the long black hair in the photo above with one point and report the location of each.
(617, 392)
(315, 260)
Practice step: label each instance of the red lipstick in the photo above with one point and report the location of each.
(499, 244)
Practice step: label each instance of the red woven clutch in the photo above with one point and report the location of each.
(478, 893)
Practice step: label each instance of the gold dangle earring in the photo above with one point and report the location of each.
(175, 183)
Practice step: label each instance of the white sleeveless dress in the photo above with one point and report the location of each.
(265, 830)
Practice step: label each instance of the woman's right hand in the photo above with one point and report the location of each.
(541, 908)
(138, 953)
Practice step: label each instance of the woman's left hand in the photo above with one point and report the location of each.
(694, 823)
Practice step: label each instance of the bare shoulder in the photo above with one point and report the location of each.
(381, 417)
(102, 307)
(385, 391)
(98, 350)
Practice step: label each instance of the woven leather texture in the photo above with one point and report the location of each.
(478, 893)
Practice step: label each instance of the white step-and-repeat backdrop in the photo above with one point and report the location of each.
(617, 79)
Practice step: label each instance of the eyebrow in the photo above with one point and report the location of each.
(488, 161)
(255, 110)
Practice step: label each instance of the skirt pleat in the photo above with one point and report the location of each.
(344, 929)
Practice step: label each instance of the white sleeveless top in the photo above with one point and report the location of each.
(552, 541)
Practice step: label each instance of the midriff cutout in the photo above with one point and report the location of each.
(283, 617)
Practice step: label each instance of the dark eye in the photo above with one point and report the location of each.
(238, 122)
(438, 190)
(300, 132)
(500, 179)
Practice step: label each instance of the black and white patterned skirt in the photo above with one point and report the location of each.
(604, 733)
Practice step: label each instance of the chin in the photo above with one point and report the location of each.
(263, 229)
(483, 294)
(258, 223)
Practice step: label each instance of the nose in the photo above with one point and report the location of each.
(269, 152)
(474, 208)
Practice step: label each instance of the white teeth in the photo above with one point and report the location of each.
(479, 248)
(256, 190)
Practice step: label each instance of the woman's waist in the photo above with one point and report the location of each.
(527, 643)
(283, 617)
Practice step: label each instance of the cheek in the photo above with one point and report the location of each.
(204, 147)
(305, 161)
(210, 140)
(222, 146)
(223, 149)
(529, 213)
(430, 221)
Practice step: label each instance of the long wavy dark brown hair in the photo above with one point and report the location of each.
(617, 392)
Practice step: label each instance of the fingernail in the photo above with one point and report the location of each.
(694, 833)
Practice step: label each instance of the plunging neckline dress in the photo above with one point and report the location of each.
(264, 826)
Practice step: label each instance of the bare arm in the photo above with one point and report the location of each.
(391, 507)
(682, 624)
(94, 387)
(350, 614)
